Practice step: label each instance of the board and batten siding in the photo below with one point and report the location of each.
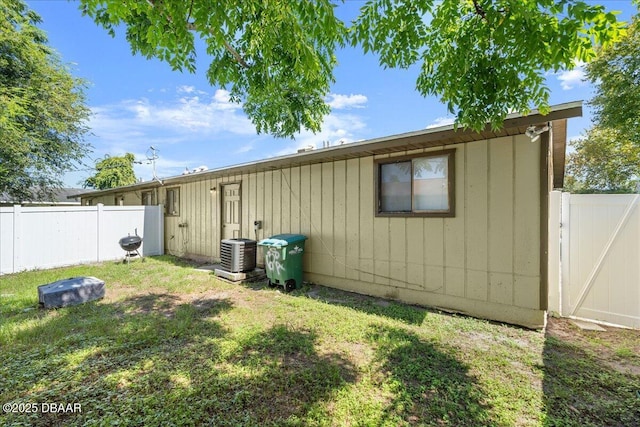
(125, 198)
(195, 231)
(484, 261)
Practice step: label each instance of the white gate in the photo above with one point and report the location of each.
(599, 257)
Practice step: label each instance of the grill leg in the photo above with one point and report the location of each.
(129, 254)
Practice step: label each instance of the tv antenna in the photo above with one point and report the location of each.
(152, 156)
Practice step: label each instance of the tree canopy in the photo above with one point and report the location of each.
(617, 81)
(604, 160)
(607, 157)
(112, 172)
(482, 58)
(42, 108)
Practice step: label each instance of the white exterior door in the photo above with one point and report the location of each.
(230, 211)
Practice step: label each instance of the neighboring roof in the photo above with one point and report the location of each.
(70, 194)
(514, 124)
(67, 196)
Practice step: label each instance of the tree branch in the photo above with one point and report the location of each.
(235, 54)
(479, 10)
(190, 10)
(191, 27)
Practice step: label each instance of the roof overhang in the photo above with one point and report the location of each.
(514, 124)
(558, 151)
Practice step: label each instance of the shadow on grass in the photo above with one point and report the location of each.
(406, 313)
(111, 358)
(429, 387)
(371, 305)
(580, 390)
(291, 377)
(155, 359)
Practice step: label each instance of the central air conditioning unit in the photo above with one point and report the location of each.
(238, 255)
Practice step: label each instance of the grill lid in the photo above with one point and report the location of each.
(130, 243)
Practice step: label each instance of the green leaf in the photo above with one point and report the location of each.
(278, 57)
(42, 109)
(614, 73)
(603, 160)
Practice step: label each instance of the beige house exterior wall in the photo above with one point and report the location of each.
(484, 261)
(124, 198)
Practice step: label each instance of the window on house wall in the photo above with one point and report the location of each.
(118, 200)
(420, 185)
(173, 201)
(147, 198)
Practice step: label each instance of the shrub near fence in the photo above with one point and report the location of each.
(47, 237)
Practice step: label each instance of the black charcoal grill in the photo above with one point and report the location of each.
(130, 245)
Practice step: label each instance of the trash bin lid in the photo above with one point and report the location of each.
(281, 240)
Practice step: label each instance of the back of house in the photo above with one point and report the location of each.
(439, 217)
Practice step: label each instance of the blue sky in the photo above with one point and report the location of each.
(138, 103)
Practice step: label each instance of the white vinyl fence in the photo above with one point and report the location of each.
(594, 257)
(46, 237)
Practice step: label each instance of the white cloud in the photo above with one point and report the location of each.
(164, 167)
(189, 89)
(187, 118)
(244, 149)
(191, 127)
(572, 78)
(441, 121)
(222, 100)
(340, 102)
(179, 118)
(336, 129)
(186, 89)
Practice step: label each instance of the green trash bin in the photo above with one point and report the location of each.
(283, 260)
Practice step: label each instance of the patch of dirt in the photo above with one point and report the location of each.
(476, 340)
(117, 291)
(624, 367)
(150, 303)
(207, 301)
(320, 294)
(360, 354)
(604, 345)
(158, 301)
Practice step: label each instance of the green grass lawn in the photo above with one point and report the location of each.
(169, 345)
